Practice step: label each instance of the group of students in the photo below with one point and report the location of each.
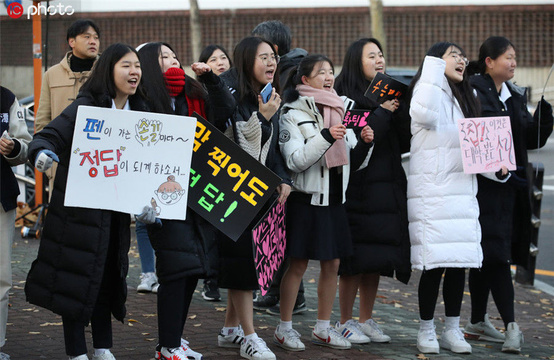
(349, 203)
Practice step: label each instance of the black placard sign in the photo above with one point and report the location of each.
(228, 187)
(384, 87)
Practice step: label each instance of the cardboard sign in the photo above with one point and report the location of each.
(486, 144)
(124, 160)
(356, 118)
(228, 187)
(384, 87)
(269, 243)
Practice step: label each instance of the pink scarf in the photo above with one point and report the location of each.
(333, 114)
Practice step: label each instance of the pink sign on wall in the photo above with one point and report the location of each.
(486, 144)
(269, 238)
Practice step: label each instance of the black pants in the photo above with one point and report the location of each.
(174, 299)
(496, 279)
(452, 291)
(101, 320)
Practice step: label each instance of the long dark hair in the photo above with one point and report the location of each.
(493, 47)
(209, 50)
(304, 68)
(351, 81)
(462, 91)
(101, 83)
(153, 80)
(245, 56)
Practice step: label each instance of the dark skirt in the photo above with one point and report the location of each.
(236, 263)
(316, 232)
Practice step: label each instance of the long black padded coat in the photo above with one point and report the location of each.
(189, 248)
(376, 201)
(505, 209)
(67, 274)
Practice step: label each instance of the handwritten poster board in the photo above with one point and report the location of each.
(354, 119)
(124, 160)
(270, 240)
(486, 144)
(384, 87)
(228, 187)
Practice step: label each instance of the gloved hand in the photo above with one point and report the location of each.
(148, 216)
(44, 160)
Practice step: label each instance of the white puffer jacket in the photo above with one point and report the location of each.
(442, 206)
(303, 148)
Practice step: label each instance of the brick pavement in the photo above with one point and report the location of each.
(35, 333)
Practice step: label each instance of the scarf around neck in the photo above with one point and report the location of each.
(333, 114)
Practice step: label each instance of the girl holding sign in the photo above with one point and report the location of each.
(217, 58)
(81, 269)
(442, 206)
(317, 148)
(185, 250)
(505, 209)
(255, 127)
(376, 201)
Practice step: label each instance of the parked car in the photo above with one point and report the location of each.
(403, 75)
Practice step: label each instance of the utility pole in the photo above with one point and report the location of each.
(195, 30)
(377, 23)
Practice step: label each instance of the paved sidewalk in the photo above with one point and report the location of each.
(35, 333)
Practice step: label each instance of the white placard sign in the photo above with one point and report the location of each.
(123, 160)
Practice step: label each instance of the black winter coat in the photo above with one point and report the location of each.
(237, 269)
(67, 274)
(189, 248)
(376, 200)
(505, 209)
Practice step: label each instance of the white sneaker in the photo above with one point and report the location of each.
(288, 339)
(330, 337)
(107, 355)
(514, 339)
(147, 281)
(453, 340)
(4, 356)
(427, 341)
(233, 340)
(173, 354)
(80, 357)
(155, 288)
(374, 332)
(483, 330)
(352, 332)
(256, 349)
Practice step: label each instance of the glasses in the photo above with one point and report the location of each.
(267, 59)
(460, 59)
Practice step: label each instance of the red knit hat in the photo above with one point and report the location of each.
(174, 80)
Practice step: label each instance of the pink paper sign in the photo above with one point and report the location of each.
(269, 238)
(486, 144)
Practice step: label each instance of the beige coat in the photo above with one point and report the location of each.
(60, 87)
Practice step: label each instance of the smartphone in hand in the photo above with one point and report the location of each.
(266, 93)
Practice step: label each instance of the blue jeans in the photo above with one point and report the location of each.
(146, 253)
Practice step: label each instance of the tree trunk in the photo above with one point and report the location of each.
(377, 23)
(195, 30)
